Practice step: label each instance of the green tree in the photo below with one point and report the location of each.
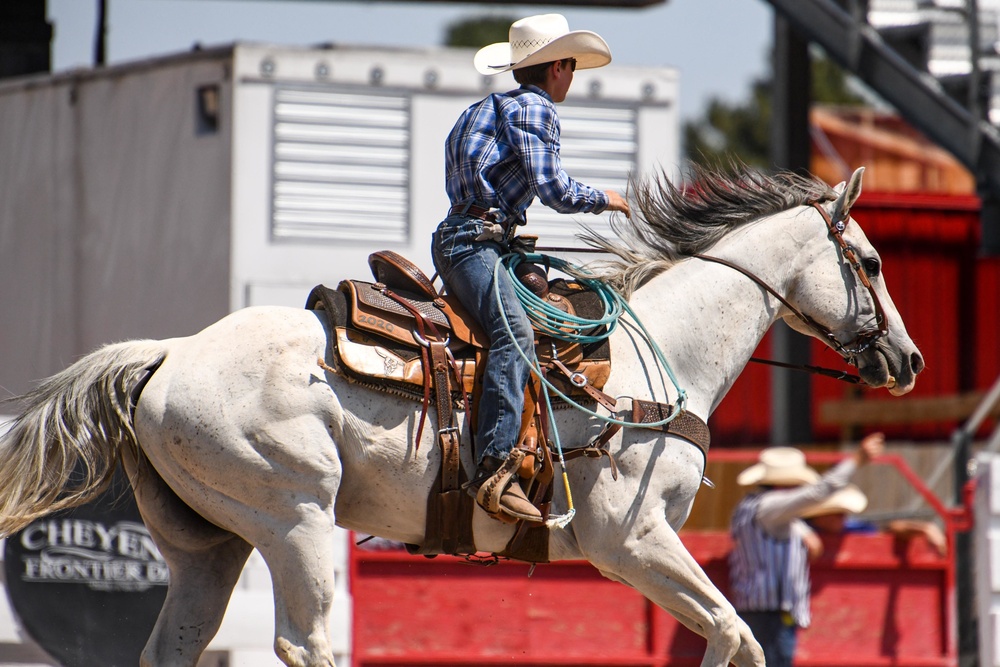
(743, 130)
(479, 31)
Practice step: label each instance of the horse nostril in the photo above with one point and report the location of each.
(916, 362)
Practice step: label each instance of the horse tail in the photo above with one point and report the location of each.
(62, 450)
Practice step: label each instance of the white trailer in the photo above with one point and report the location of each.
(150, 199)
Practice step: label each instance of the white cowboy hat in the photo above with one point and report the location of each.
(543, 39)
(848, 500)
(779, 466)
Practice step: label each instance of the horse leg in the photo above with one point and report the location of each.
(301, 562)
(749, 653)
(658, 565)
(272, 481)
(205, 562)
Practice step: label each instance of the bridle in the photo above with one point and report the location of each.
(849, 351)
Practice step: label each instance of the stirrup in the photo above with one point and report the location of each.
(499, 484)
(492, 489)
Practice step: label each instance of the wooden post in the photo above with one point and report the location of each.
(791, 391)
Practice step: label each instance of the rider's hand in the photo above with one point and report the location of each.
(871, 447)
(617, 203)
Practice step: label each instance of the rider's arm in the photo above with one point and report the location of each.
(533, 132)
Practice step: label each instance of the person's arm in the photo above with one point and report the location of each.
(871, 446)
(813, 542)
(908, 528)
(533, 132)
(618, 203)
(779, 507)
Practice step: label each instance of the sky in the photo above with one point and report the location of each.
(718, 46)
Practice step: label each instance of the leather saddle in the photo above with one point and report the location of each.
(382, 326)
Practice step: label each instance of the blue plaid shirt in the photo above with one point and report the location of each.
(504, 151)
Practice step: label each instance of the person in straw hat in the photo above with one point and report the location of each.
(502, 153)
(834, 516)
(772, 544)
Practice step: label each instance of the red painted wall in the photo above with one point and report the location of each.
(948, 296)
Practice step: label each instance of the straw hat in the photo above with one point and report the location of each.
(848, 500)
(779, 466)
(543, 39)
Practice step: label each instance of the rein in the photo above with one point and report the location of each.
(850, 351)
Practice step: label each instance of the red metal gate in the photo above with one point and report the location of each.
(876, 602)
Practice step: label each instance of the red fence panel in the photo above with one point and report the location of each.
(877, 601)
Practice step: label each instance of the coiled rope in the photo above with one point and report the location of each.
(565, 326)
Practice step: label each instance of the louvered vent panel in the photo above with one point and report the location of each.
(599, 148)
(341, 163)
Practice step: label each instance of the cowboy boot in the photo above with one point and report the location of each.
(497, 490)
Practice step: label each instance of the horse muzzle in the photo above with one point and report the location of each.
(890, 367)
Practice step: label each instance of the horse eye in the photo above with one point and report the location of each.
(872, 267)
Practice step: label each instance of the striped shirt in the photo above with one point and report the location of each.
(769, 564)
(504, 151)
(767, 573)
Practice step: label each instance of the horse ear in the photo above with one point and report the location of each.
(849, 193)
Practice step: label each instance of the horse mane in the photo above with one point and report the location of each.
(670, 222)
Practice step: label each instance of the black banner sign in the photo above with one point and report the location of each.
(88, 584)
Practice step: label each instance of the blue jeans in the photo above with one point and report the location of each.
(776, 636)
(466, 267)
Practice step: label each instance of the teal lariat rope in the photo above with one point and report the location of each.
(558, 323)
(564, 326)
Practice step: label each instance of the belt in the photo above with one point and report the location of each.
(474, 212)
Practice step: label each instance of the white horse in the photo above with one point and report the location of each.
(240, 440)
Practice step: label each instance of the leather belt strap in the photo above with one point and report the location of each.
(448, 440)
(473, 211)
(594, 451)
(442, 383)
(686, 425)
(608, 402)
(422, 324)
(449, 510)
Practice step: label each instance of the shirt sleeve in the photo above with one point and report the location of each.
(779, 508)
(533, 132)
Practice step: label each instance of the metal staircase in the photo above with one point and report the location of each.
(936, 61)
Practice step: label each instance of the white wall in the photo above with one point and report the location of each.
(282, 273)
(987, 557)
(114, 214)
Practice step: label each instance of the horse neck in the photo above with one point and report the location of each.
(708, 318)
